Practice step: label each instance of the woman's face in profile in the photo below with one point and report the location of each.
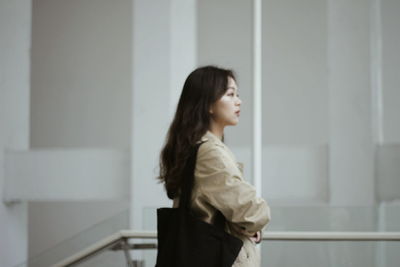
(226, 110)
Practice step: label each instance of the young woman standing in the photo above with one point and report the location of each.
(209, 102)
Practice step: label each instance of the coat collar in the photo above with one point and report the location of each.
(209, 136)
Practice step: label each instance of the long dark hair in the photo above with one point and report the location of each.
(202, 88)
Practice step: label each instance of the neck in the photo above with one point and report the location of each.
(216, 129)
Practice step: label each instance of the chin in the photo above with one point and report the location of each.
(234, 123)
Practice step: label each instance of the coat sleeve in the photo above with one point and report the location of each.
(220, 183)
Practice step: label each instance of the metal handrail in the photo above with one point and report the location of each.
(124, 235)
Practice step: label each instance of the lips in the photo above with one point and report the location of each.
(237, 112)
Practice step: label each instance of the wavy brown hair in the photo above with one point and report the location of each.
(202, 88)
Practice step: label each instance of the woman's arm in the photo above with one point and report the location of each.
(220, 183)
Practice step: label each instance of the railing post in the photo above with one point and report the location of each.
(126, 248)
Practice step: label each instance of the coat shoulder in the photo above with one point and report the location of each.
(211, 149)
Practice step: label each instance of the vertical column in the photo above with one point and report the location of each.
(163, 55)
(376, 71)
(257, 95)
(351, 158)
(15, 32)
(183, 48)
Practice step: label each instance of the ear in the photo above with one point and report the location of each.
(211, 111)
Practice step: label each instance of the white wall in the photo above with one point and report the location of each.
(15, 32)
(81, 73)
(351, 142)
(81, 98)
(151, 101)
(390, 69)
(388, 155)
(295, 73)
(295, 101)
(160, 66)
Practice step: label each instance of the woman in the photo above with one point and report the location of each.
(209, 102)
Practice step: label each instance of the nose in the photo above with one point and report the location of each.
(238, 101)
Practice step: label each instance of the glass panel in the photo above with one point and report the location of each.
(330, 253)
(385, 217)
(328, 218)
(150, 255)
(83, 240)
(323, 218)
(150, 224)
(107, 258)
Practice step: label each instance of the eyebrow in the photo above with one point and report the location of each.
(235, 90)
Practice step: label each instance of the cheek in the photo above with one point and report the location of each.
(225, 102)
(223, 108)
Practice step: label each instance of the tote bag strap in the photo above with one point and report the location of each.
(188, 180)
(187, 187)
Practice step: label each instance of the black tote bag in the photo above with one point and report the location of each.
(186, 241)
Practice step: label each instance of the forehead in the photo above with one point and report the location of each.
(232, 84)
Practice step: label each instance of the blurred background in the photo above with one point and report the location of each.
(88, 89)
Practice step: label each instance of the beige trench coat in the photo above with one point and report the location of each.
(219, 185)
